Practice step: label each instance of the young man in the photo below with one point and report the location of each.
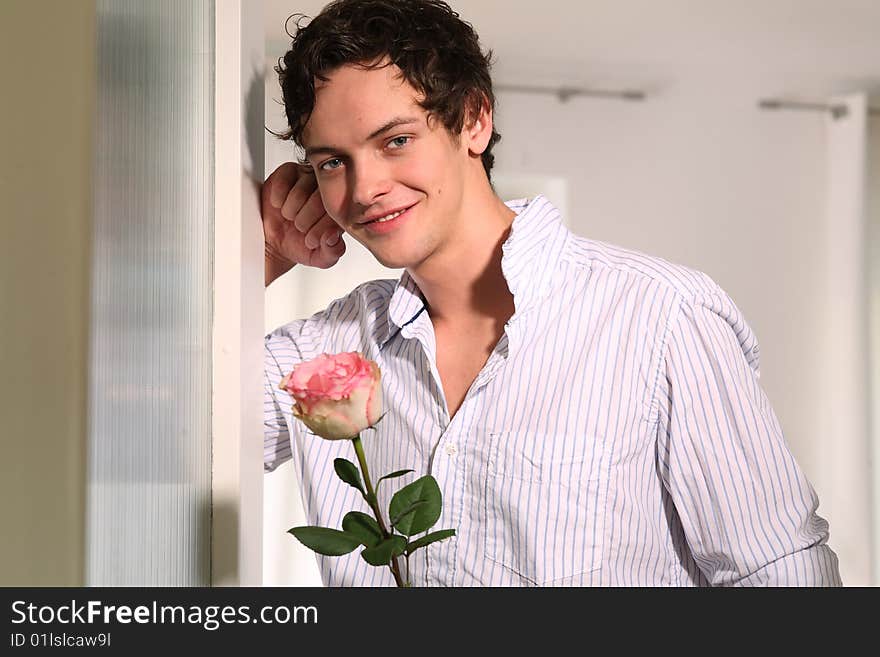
(592, 415)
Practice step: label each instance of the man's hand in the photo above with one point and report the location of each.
(296, 228)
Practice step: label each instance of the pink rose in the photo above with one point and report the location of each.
(336, 396)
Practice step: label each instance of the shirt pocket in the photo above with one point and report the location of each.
(544, 512)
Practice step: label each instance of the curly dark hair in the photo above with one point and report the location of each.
(438, 53)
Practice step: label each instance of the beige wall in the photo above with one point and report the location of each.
(47, 74)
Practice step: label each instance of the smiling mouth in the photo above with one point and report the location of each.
(387, 217)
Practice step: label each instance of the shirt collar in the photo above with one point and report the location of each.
(529, 258)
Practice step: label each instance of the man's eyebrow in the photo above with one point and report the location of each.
(326, 150)
(393, 123)
(390, 125)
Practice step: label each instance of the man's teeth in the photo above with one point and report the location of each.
(389, 217)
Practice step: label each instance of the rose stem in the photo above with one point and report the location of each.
(374, 504)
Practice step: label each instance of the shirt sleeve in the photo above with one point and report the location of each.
(276, 436)
(285, 347)
(746, 508)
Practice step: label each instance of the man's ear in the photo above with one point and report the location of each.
(478, 129)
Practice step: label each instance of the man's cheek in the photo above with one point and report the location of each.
(334, 205)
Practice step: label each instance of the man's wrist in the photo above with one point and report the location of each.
(275, 267)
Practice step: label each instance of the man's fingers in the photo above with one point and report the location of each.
(280, 182)
(311, 213)
(319, 230)
(298, 196)
(329, 255)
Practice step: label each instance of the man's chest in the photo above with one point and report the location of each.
(460, 356)
(562, 393)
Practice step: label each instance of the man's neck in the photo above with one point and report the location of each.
(463, 284)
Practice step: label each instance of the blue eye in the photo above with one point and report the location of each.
(399, 142)
(329, 165)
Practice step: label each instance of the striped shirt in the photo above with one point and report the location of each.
(617, 435)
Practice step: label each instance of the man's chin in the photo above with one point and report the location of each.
(391, 262)
(396, 260)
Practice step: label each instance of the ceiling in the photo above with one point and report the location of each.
(794, 48)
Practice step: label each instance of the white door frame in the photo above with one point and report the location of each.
(237, 461)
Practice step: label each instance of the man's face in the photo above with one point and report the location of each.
(375, 153)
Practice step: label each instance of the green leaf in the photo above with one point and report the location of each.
(412, 519)
(363, 527)
(326, 541)
(348, 472)
(396, 473)
(433, 537)
(382, 553)
(405, 512)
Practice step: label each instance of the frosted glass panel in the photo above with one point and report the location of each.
(149, 490)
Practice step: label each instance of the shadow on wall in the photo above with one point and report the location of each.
(224, 522)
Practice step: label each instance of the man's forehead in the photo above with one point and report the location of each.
(356, 101)
(381, 74)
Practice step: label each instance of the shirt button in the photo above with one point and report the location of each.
(451, 449)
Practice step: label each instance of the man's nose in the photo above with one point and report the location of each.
(370, 181)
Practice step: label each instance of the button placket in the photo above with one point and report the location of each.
(441, 557)
(446, 465)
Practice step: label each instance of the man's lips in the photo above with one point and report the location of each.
(376, 216)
